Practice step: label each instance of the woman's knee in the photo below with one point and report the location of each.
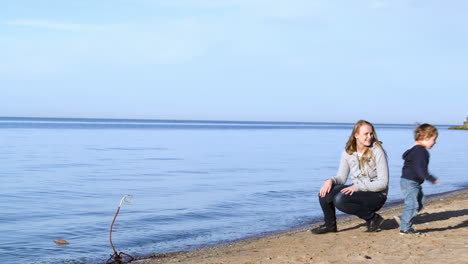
(328, 198)
(339, 200)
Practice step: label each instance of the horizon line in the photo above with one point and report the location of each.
(205, 120)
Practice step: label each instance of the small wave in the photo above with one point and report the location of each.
(127, 149)
(164, 159)
(188, 172)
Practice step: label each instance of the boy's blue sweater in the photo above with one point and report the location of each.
(416, 163)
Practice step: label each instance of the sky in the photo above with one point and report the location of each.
(386, 61)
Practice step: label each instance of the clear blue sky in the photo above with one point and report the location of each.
(387, 61)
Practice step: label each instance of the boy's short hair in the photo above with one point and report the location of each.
(425, 131)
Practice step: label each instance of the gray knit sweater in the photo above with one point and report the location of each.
(373, 177)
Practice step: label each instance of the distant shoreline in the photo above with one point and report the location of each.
(459, 128)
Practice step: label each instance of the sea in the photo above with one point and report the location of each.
(192, 183)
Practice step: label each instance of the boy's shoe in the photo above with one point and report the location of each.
(397, 219)
(323, 229)
(374, 223)
(410, 231)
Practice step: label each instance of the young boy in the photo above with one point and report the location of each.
(414, 173)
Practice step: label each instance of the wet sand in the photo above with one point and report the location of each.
(443, 224)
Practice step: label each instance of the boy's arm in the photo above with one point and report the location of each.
(421, 162)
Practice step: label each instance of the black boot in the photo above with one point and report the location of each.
(374, 223)
(323, 229)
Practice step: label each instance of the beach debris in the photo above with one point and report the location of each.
(61, 242)
(121, 257)
(367, 257)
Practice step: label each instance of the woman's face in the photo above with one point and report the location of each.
(365, 136)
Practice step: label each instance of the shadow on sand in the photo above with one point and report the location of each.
(389, 224)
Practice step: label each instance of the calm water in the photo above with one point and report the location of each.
(194, 183)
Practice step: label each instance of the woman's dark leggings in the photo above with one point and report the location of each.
(362, 204)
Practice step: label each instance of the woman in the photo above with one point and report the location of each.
(366, 159)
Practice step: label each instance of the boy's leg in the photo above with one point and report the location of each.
(410, 191)
(421, 199)
(328, 207)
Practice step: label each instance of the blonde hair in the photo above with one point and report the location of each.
(351, 145)
(425, 131)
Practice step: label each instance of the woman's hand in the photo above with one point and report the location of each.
(326, 187)
(349, 190)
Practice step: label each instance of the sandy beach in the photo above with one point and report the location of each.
(443, 239)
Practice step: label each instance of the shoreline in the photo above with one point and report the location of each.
(262, 249)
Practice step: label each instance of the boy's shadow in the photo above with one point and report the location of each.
(389, 224)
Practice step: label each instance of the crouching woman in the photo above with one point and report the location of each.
(366, 160)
